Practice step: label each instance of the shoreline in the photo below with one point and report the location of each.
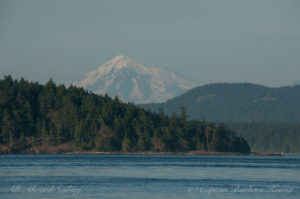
(171, 153)
(67, 149)
(150, 153)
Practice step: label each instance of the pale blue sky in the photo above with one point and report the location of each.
(208, 41)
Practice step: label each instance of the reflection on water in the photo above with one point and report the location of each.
(144, 176)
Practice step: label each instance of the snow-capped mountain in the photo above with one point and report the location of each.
(132, 81)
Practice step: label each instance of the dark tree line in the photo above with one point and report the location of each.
(270, 137)
(56, 115)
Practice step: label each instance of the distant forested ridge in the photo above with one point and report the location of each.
(35, 118)
(269, 118)
(238, 102)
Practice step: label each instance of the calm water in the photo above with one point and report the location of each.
(142, 176)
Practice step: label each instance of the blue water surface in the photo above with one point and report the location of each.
(149, 176)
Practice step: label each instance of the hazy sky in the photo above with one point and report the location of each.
(208, 41)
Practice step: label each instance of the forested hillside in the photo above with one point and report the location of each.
(270, 137)
(34, 117)
(239, 102)
(269, 118)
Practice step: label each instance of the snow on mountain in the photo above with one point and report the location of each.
(132, 81)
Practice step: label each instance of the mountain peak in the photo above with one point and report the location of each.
(121, 58)
(121, 61)
(133, 81)
(118, 58)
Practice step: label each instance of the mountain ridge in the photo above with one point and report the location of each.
(237, 102)
(133, 81)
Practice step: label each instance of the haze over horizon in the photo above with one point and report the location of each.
(207, 41)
